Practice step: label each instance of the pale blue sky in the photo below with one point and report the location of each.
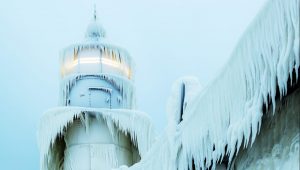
(166, 38)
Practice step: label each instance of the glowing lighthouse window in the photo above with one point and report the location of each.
(97, 60)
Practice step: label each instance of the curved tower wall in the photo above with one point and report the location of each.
(94, 92)
(96, 148)
(96, 74)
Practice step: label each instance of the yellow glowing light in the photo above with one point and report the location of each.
(95, 60)
(90, 60)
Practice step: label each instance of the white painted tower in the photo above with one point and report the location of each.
(96, 126)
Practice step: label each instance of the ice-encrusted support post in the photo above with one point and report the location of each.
(182, 102)
(95, 12)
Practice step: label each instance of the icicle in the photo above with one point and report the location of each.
(54, 121)
(228, 112)
(118, 82)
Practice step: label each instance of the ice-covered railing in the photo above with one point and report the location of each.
(124, 86)
(228, 112)
(54, 123)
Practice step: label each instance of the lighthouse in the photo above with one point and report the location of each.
(96, 125)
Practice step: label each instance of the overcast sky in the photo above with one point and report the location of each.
(166, 38)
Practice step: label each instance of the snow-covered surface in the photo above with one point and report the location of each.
(55, 121)
(228, 112)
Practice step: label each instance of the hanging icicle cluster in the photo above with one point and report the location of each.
(55, 122)
(106, 50)
(228, 112)
(123, 85)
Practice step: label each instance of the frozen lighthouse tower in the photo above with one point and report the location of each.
(95, 126)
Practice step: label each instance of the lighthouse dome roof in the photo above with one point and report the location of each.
(95, 31)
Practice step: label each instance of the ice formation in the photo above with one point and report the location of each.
(104, 49)
(175, 104)
(163, 154)
(123, 85)
(55, 122)
(226, 115)
(277, 144)
(96, 125)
